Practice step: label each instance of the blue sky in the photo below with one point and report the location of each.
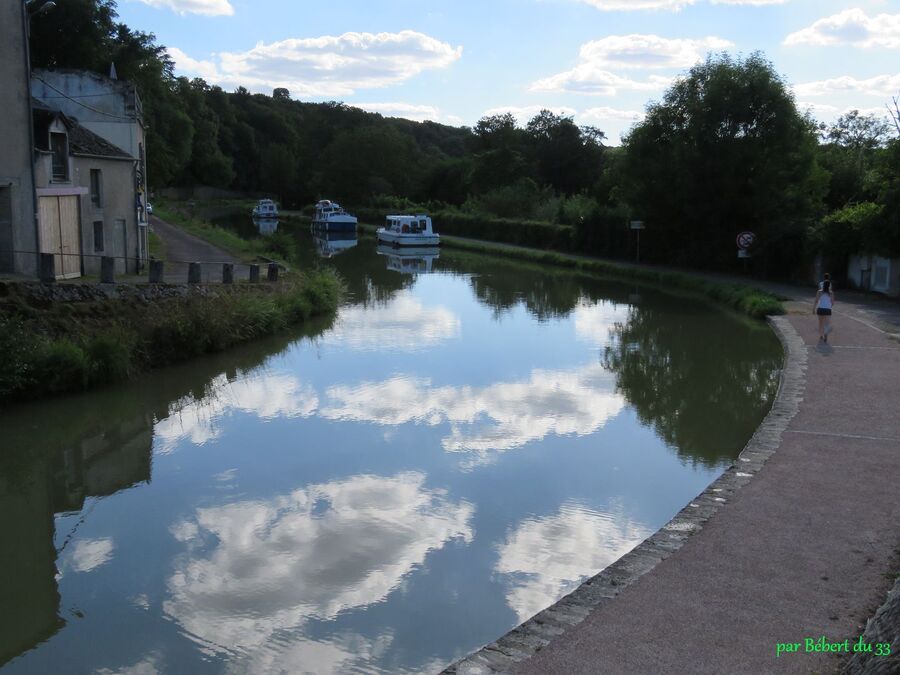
(455, 61)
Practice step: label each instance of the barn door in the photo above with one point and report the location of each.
(59, 226)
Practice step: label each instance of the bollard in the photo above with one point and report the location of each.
(227, 273)
(48, 268)
(273, 272)
(107, 270)
(194, 273)
(156, 271)
(254, 274)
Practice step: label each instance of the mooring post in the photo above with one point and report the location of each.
(156, 271)
(254, 274)
(273, 272)
(194, 273)
(227, 273)
(48, 268)
(107, 270)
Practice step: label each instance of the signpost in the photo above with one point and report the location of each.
(637, 225)
(744, 241)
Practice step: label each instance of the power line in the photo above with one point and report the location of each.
(83, 105)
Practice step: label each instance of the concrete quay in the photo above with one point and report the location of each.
(799, 539)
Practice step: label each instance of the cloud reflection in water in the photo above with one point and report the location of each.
(546, 558)
(255, 570)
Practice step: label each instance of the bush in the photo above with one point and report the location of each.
(109, 358)
(17, 347)
(61, 366)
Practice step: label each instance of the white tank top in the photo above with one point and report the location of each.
(825, 298)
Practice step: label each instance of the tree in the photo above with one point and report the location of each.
(726, 150)
(281, 94)
(567, 158)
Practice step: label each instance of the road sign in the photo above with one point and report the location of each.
(745, 240)
(637, 224)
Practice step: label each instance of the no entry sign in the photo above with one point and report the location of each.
(745, 240)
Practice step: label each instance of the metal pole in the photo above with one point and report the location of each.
(638, 256)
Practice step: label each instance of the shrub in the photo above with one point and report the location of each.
(61, 366)
(109, 357)
(17, 347)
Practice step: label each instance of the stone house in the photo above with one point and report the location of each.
(111, 109)
(18, 226)
(85, 193)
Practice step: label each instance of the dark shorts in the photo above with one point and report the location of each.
(822, 311)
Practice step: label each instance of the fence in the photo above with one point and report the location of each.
(162, 271)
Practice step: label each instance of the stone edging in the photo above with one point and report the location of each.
(530, 637)
(884, 627)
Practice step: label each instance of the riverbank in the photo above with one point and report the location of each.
(744, 297)
(797, 540)
(71, 337)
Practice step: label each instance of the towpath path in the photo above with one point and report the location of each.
(185, 248)
(801, 551)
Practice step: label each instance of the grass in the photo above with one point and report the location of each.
(157, 246)
(278, 247)
(74, 346)
(744, 298)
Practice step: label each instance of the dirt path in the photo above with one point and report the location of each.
(184, 248)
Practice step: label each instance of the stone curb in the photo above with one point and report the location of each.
(524, 641)
(882, 628)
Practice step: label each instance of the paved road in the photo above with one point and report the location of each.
(184, 247)
(800, 552)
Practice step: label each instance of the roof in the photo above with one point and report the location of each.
(82, 141)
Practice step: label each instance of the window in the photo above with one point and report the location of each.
(96, 196)
(98, 236)
(59, 147)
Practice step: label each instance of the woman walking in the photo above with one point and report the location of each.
(824, 303)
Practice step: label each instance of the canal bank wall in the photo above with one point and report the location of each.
(794, 541)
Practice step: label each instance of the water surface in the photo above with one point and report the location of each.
(381, 492)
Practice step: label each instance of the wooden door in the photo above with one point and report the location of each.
(60, 227)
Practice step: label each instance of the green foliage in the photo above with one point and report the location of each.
(61, 366)
(17, 347)
(126, 342)
(725, 151)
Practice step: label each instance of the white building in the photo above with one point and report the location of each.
(110, 108)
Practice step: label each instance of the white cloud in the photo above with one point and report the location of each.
(524, 113)
(89, 554)
(266, 396)
(405, 325)
(648, 51)
(497, 417)
(204, 7)
(258, 570)
(548, 557)
(881, 85)
(327, 65)
(409, 111)
(671, 5)
(604, 114)
(851, 27)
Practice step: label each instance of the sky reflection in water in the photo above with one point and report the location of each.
(456, 452)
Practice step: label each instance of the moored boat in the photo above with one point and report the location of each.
(265, 208)
(403, 230)
(331, 217)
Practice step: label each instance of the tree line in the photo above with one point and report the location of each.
(726, 149)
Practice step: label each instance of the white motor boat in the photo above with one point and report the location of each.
(408, 231)
(265, 208)
(409, 259)
(331, 217)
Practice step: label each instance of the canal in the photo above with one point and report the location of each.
(384, 491)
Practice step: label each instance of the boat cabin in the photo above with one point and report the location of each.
(265, 208)
(420, 224)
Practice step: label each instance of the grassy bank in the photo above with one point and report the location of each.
(64, 347)
(742, 297)
(279, 246)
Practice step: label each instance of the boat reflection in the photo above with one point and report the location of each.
(266, 226)
(330, 244)
(409, 259)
